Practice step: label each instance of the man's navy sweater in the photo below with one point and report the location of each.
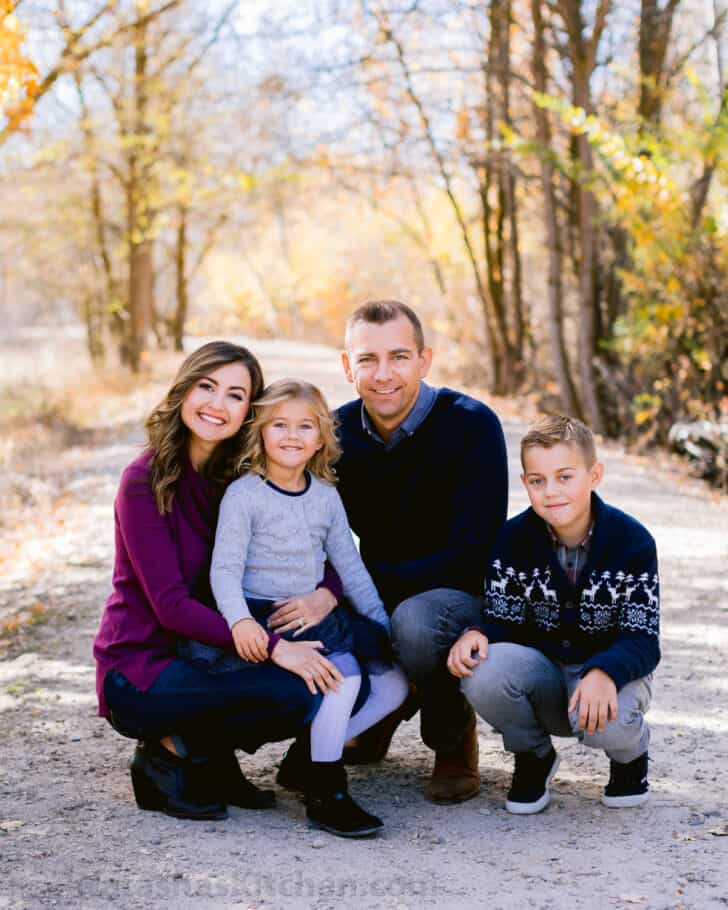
(428, 511)
(609, 619)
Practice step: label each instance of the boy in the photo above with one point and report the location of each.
(569, 637)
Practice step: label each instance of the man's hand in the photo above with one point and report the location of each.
(467, 652)
(303, 659)
(251, 640)
(596, 699)
(301, 612)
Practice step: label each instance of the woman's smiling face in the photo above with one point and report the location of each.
(214, 409)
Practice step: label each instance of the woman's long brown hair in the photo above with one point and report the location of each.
(168, 437)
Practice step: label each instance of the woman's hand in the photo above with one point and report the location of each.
(466, 653)
(301, 612)
(303, 659)
(251, 640)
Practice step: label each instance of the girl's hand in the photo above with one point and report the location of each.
(461, 660)
(303, 659)
(301, 612)
(251, 640)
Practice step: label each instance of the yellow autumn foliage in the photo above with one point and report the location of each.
(18, 74)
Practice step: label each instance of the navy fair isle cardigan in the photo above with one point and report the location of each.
(608, 620)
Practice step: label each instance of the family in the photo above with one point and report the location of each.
(243, 613)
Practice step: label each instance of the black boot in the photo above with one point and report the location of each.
(295, 769)
(329, 806)
(235, 788)
(180, 787)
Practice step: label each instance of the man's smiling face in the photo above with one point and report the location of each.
(383, 362)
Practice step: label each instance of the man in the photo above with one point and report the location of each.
(424, 479)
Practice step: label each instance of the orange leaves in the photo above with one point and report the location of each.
(462, 128)
(18, 74)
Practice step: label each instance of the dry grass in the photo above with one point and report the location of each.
(12, 625)
(38, 420)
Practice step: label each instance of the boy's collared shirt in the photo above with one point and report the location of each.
(572, 559)
(422, 407)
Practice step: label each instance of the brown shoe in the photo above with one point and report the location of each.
(455, 777)
(372, 745)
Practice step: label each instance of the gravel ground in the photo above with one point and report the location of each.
(71, 835)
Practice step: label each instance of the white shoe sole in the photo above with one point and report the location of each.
(540, 804)
(625, 802)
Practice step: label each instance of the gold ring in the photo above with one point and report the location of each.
(301, 623)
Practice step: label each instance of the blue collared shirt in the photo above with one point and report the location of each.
(422, 407)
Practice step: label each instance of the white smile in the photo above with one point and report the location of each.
(208, 418)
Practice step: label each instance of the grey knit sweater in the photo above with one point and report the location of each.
(272, 544)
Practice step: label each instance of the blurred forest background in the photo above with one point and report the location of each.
(545, 181)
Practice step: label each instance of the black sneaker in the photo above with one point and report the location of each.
(529, 791)
(628, 784)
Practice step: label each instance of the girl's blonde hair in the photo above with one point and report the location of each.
(263, 411)
(168, 437)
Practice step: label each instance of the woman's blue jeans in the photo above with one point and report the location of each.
(212, 712)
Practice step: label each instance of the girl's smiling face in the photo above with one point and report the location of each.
(214, 409)
(290, 439)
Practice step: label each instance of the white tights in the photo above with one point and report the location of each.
(333, 724)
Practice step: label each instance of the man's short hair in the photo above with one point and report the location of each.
(381, 311)
(550, 431)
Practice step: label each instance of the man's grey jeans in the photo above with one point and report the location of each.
(424, 628)
(524, 696)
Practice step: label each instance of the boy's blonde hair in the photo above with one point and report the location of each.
(262, 412)
(550, 431)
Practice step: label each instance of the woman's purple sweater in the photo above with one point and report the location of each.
(159, 560)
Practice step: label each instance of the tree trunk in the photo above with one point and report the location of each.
(582, 57)
(588, 229)
(520, 318)
(141, 270)
(496, 341)
(497, 195)
(654, 39)
(180, 312)
(93, 320)
(567, 391)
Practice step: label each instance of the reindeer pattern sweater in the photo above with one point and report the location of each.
(608, 620)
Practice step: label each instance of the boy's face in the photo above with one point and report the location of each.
(559, 485)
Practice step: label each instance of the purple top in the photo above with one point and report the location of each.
(159, 561)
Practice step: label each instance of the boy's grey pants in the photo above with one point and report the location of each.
(523, 695)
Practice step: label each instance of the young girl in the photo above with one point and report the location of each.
(278, 525)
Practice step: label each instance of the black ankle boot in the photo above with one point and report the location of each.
(294, 772)
(235, 788)
(179, 787)
(329, 806)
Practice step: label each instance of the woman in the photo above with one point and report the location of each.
(188, 720)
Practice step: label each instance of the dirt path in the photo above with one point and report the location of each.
(71, 835)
